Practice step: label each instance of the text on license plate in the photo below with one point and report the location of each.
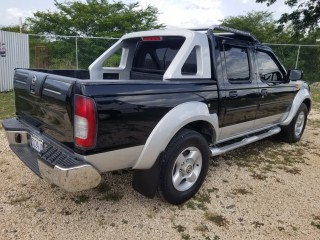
(36, 143)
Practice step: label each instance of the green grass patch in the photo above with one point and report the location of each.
(179, 228)
(20, 199)
(268, 156)
(80, 199)
(112, 196)
(7, 106)
(241, 191)
(217, 219)
(314, 122)
(103, 188)
(316, 222)
(315, 93)
(201, 228)
(199, 201)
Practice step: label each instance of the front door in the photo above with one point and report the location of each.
(276, 94)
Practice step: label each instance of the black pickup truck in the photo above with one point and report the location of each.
(176, 98)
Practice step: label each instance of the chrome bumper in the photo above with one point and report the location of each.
(71, 179)
(72, 175)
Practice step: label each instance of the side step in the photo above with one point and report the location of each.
(215, 151)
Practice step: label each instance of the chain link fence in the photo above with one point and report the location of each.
(71, 52)
(66, 52)
(299, 56)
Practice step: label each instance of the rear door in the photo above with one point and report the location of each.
(240, 92)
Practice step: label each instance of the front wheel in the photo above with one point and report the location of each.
(293, 132)
(184, 166)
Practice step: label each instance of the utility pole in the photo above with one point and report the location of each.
(20, 24)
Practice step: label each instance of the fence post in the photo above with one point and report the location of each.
(297, 57)
(77, 63)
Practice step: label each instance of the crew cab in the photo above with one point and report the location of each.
(174, 99)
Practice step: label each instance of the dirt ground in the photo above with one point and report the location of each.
(268, 190)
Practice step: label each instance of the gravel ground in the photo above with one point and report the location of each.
(268, 190)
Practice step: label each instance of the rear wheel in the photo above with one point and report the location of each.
(293, 132)
(184, 166)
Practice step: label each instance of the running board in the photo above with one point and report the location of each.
(215, 151)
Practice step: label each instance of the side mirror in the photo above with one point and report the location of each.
(294, 75)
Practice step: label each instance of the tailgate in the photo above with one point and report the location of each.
(45, 102)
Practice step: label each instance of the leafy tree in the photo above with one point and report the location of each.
(94, 18)
(265, 28)
(14, 28)
(98, 18)
(305, 18)
(261, 24)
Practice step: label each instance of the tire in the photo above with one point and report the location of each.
(184, 166)
(293, 132)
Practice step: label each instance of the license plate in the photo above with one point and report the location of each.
(36, 143)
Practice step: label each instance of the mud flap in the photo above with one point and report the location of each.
(146, 181)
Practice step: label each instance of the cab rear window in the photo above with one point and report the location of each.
(156, 56)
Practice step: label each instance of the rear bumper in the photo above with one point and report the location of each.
(54, 163)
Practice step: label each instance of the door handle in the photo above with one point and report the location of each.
(233, 94)
(264, 92)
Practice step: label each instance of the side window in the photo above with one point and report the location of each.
(237, 63)
(268, 70)
(114, 59)
(190, 65)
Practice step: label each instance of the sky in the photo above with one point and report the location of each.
(174, 13)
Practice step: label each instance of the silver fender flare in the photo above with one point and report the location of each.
(302, 95)
(168, 126)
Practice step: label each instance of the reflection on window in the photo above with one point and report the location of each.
(267, 68)
(237, 63)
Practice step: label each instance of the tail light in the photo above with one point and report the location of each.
(84, 122)
(152, 38)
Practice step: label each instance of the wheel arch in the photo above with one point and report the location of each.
(191, 115)
(307, 102)
(303, 96)
(204, 128)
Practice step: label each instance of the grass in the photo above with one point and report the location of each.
(199, 201)
(241, 191)
(314, 122)
(217, 219)
(201, 228)
(109, 195)
(80, 199)
(257, 224)
(179, 228)
(112, 196)
(268, 156)
(7, 106)
(316, 222)
(20, 200)
(315, 93)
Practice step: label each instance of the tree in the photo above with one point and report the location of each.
(94, 18)
(305, 18)
(265, 28)
(261, 24)
(90, 18)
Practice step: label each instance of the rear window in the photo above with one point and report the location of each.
(237, 63)
(156, 56)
